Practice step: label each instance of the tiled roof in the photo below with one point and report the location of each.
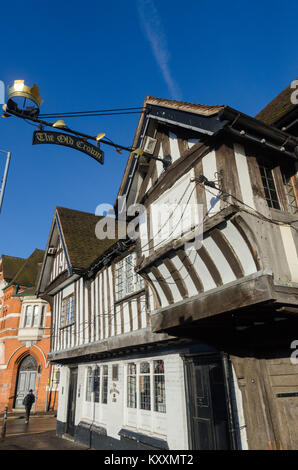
(10, 266)
(28, 272)
(83, 247)
(277, 108)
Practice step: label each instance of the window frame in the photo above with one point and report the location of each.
(154, 379)
(145, 392)
(88, 384)
(268, 176)
(283, 177)
(35, 318)
(105, 383)
(26, 316)
(131, 396)
(67, 314)
(124, 272)
(289, 180)
(97, 374)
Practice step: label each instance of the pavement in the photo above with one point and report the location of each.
(38, 434)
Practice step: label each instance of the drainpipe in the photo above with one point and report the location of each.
(229, 402)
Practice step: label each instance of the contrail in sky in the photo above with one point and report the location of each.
(151, 22)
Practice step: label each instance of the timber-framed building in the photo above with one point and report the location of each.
(167, 345)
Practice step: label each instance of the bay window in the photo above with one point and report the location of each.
(33, 316)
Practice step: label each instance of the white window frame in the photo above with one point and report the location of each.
(153, 378)
(35, 315)
(103, 383)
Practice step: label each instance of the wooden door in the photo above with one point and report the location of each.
(26, 380)
(206, 398)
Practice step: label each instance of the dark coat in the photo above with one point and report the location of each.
(29, 400)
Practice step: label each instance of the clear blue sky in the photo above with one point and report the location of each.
(94, 55)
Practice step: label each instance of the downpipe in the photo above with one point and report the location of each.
(229, 402)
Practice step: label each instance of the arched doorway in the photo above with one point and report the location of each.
(26, 379)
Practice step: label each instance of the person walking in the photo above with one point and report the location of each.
(28, 402)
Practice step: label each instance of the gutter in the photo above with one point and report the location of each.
(16, 288)
(229, 402)
(277, 139)
(263, 142)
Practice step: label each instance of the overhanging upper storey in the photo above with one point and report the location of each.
(234, 178)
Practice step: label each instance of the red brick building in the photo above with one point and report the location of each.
(25, 322)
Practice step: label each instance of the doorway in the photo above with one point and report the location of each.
(26, 380)
(72, 394)
(206, 403)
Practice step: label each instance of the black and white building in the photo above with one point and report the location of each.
(169, 345)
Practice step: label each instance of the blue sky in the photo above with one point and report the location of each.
(97, 55)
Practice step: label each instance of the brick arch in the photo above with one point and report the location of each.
(16, 368)
(16, 362)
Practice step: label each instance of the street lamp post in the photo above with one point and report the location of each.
(3, 182)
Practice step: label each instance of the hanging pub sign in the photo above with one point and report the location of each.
(77, 143)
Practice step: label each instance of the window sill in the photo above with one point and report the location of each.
(67, 326)
(129, 296)
(283, 216)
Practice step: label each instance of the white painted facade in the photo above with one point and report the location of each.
(115, 415)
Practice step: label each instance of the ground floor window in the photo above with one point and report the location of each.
(131, 385)
(159, 387)
(145, 391)
(146, 385)
(89, 384)
(104, 394)
(97, 383)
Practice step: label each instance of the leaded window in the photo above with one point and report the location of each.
(146, 386)
(159, 387)
(67, 311)
(145, 395)
(96, 384)
(89, 384)
(127, 280)
(290, 188)
(131, 385)
(104, 395)
(269, 186)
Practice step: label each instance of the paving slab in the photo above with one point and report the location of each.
(38, 434)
